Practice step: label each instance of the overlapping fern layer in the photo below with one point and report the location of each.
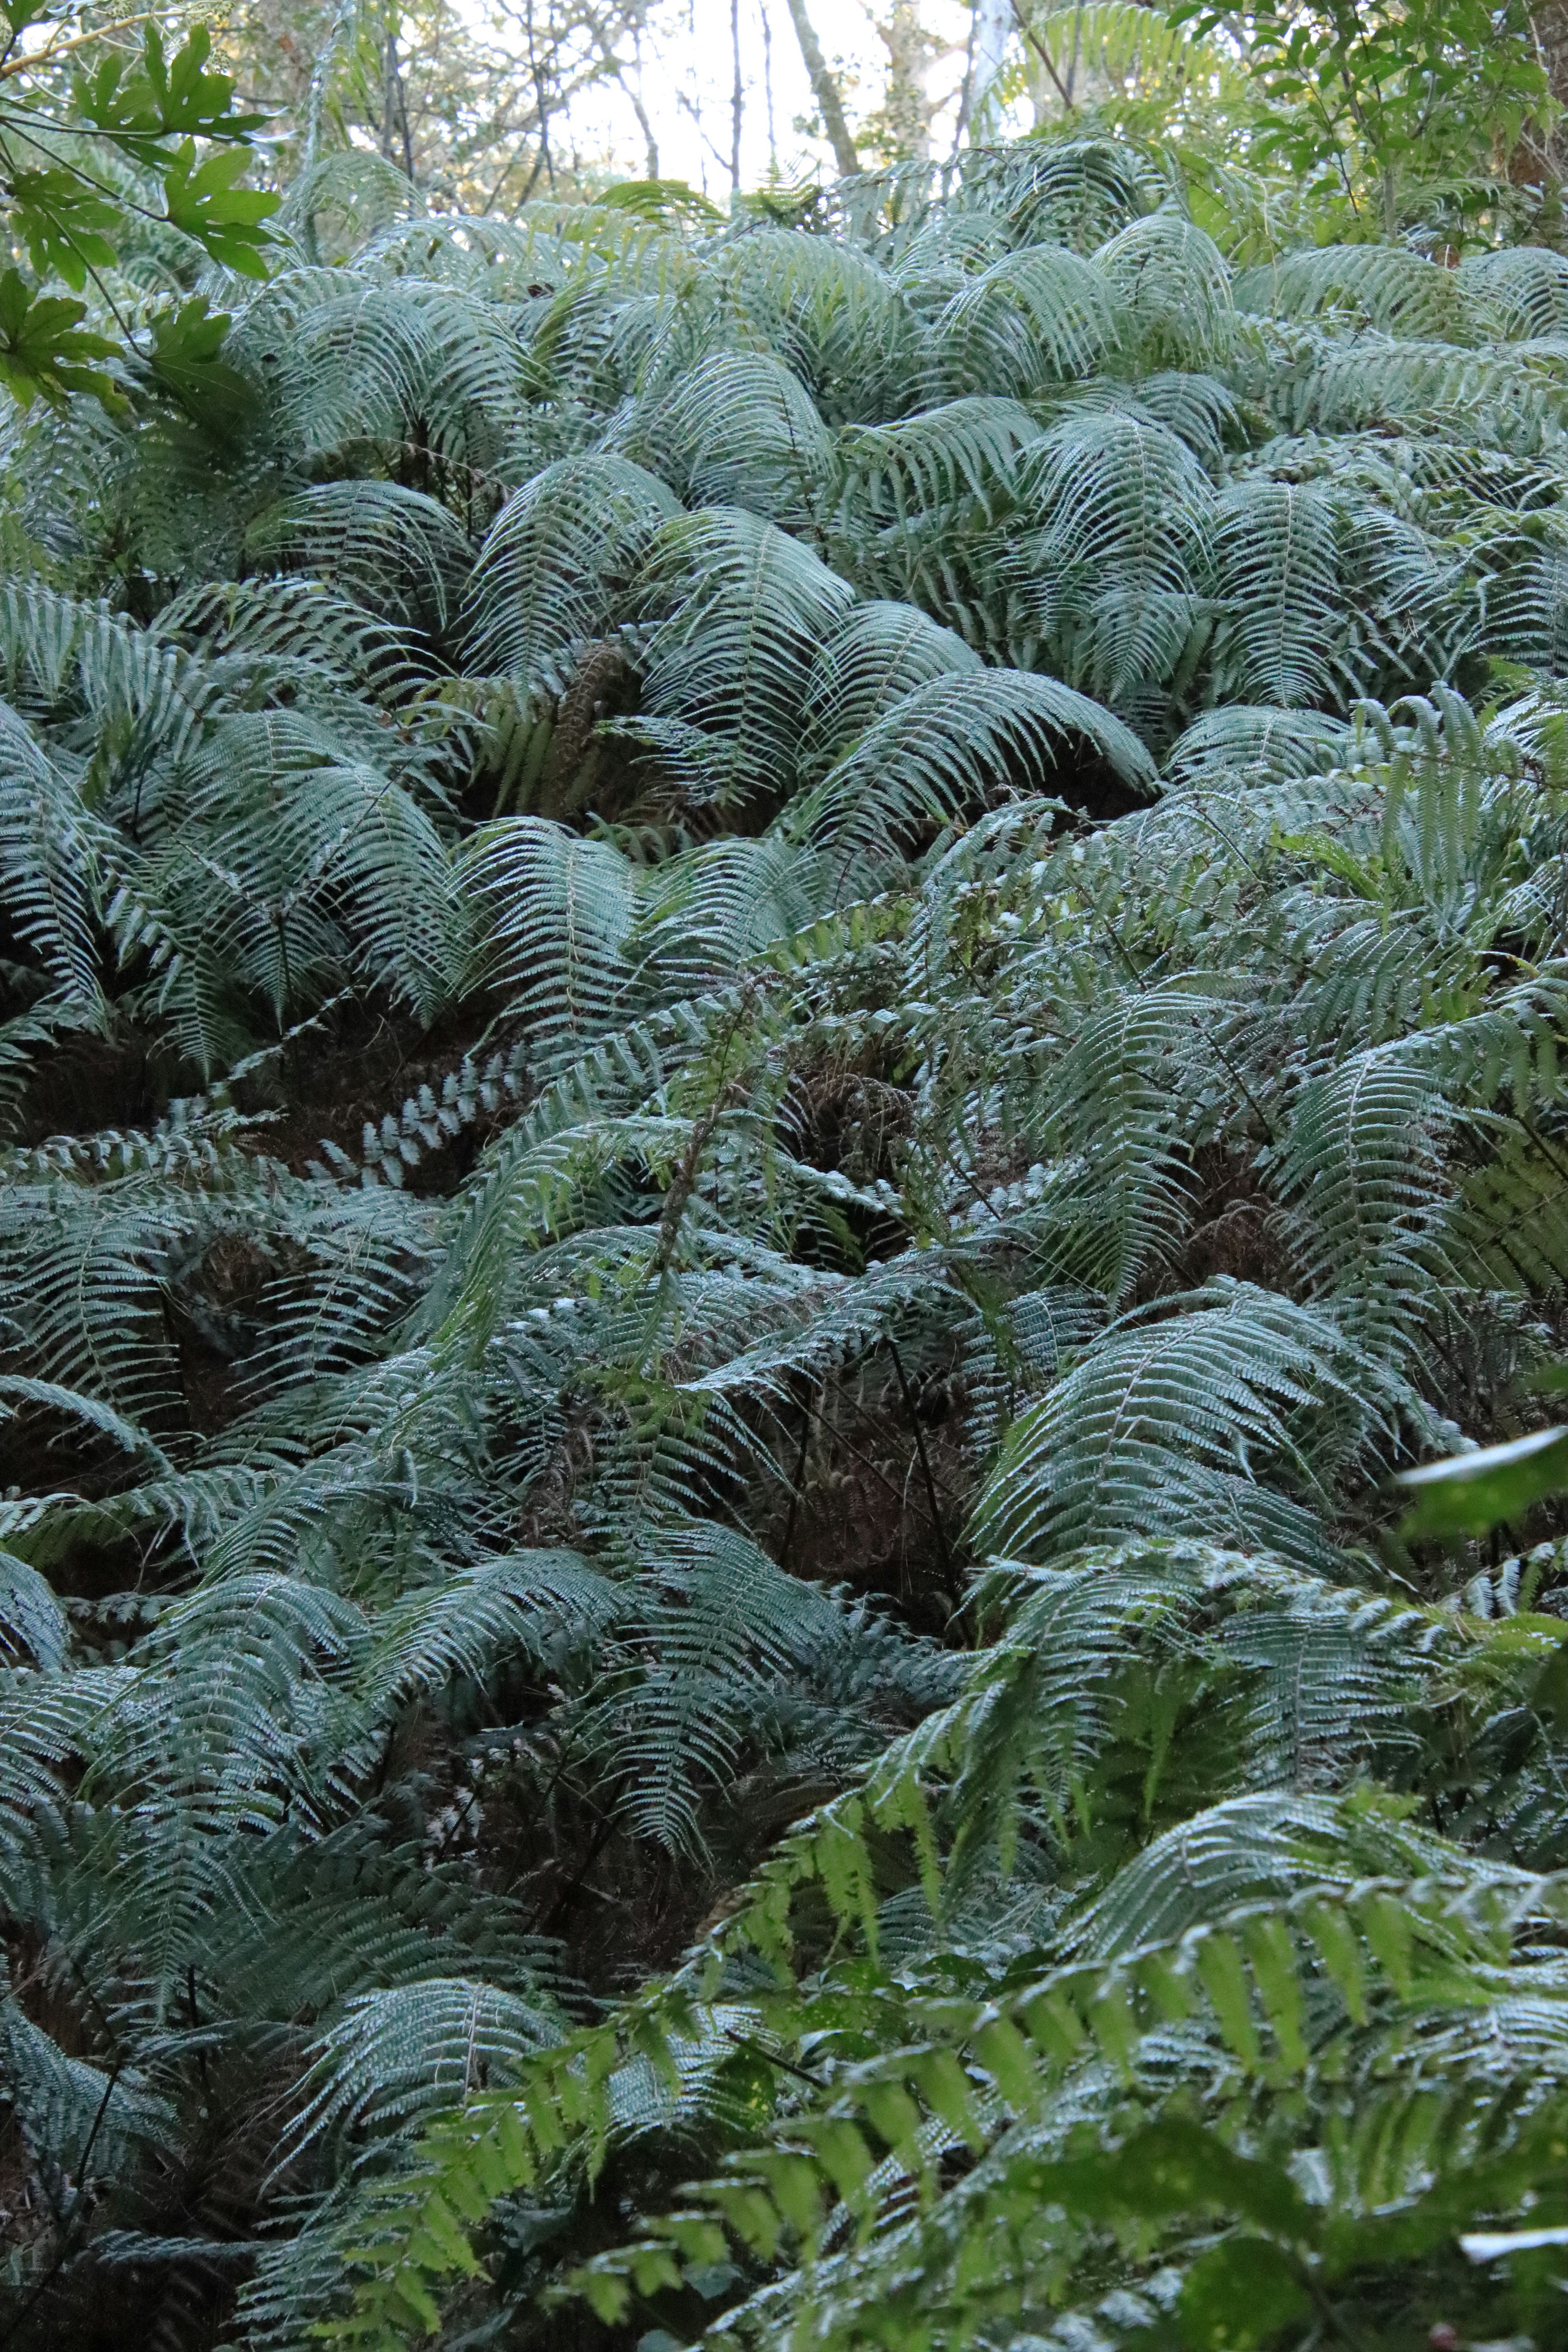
(829, 961)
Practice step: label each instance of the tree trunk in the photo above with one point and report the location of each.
(990, 29)
(993, 31)
(908, 63)
(1541, 153)
(825, 89)
(768, 90)
(395, 107)
(737, 98)
(634, 91)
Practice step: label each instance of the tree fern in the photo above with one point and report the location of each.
(877, 979)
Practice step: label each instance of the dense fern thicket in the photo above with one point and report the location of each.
(779, 1001)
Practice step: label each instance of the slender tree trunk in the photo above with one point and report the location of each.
(1541, 155)
(991, 24)
(394, 105)
(825, 89)
(737, 98)
(391, 95)
(402, 124)
(640, 110)
(768, 88)
(966, 95)
(542, 102)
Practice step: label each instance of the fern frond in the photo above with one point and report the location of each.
(879, 654)
(1171, 282)
(397, 2056)
(741, 430)
(1165, 1427)
(531, 597)
(399, 554)
(740, 611)
(947, 743)
(1036, 317)
(560, 911)
(1385, 286)
(1257, 740)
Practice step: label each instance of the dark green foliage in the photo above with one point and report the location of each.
(779, 1007)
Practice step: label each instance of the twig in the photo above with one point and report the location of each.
(1044, 55)
(770, 2057)
(46, 57)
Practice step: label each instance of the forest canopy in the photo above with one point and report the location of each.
(784, 1190)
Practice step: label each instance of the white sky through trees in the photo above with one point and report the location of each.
(687, 82)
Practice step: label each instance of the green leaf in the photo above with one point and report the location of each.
(192, 101)
(843, 2154)
(1240, 2295)
(202, 201)
(1475, 1491)
(1386, 1926)
(186, 362)
(658, 200)
(1167, 1987)
(948, 2091)
(44, 351)
(751, 2214)
(1337, 1941)
(1273, 1959)
(796, 2187)
(845, 1869)
(20, 14)
(607, 2297)
(154, 101)
(1056, 2026)
(63, 223)
(1004, 2054)
(894, 2115)
(1114, 2026)
(1226, 1982)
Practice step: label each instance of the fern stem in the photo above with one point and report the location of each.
(798, 1486)
(925, 1465)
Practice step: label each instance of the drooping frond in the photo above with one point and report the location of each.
(1386, 286)
(1035, 317)
(528, 597)
(740, 609)
(1110, 548)
(1171, 282)
(1276, 571)
(1165, 1427)
(398, 552)
(414, 2050)
(879, 654)
(951, 743)
(740, 430)
(1256, 738)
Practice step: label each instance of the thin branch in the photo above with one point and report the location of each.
(35, 59)
(1044, 55)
